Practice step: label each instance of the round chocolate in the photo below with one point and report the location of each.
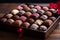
(35, 15)
(45, 8)
(43, 28)
(10, 21)
(15, 11)
(41, 12)
(38, 7)
(31, 6)
(19, 7)
(48, 22)
(44, 17)
(17, 23)
(26, 25)
(53, 18)
(34, 27)
(33, 10)
(8, 15)
(23, 5)
(3, 20)
(15, 17)
(53, 10)
(48, 13)
(30, 20)
(22, 12)
(28, 14)
(38, 22)
(26, 8)
(23, 18)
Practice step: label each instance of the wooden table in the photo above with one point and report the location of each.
(5, 8)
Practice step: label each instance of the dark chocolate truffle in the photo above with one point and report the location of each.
(26, 25)
(35, 15)
(3, 20)
(48, 22)
(28, 14)
(34, 27)
(38, 22)
(15, 17)
(44, 17)
(10, 21)
(23, 18)
(30, 20)
(17, 23)
(8, 15)
(43, 28)
(48, 13)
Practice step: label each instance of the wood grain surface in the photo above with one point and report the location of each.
(5, 8)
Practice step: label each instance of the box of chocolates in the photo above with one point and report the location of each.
(34, 19)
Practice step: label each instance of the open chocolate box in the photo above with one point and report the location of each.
(35, 20)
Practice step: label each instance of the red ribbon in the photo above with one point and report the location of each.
(58, 4)
(55, 6)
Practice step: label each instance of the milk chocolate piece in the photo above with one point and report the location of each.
(28, 14)
(8, 16)
(17, 23)
(49, 13)
(10, 21)
(26, 25)
(48, 22)
(31, 20)
(15, 17)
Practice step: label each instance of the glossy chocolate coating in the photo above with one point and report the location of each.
(48, 22)
(38, 22)
(44, 17)
(15, 11)
(17, 23)
(8, 15)
(3, 20)
(31, 20)
(34, 26)
(43, 28)
(28, 14)
(49, 13)
(26, 25)
(10, 21)
(23, 18)
(15, 17)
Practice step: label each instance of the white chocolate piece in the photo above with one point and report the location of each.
(15, 11)
(39, 22)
